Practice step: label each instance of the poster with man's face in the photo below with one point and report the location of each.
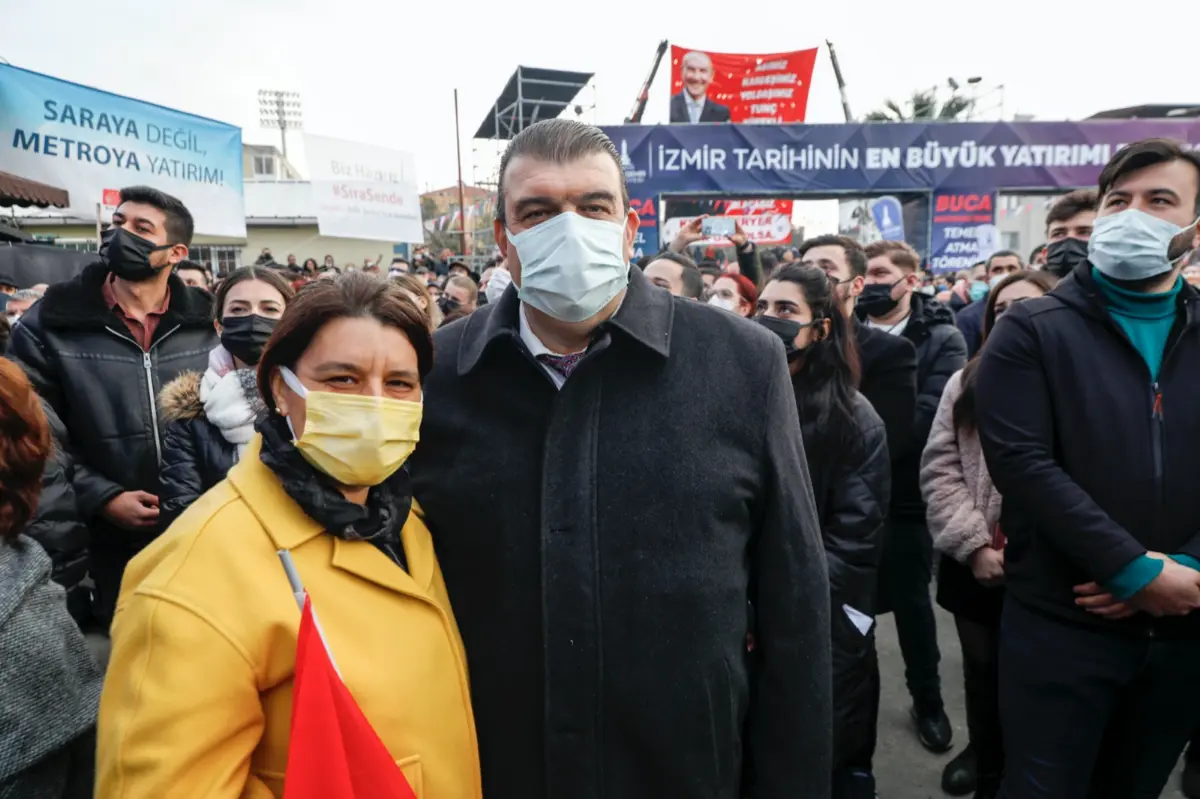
(709, 87)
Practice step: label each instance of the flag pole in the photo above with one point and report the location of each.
(289, 568)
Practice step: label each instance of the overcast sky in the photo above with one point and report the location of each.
(384, 72)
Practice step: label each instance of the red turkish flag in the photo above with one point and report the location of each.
(333, 752)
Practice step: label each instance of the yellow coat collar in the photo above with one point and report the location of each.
(289, 527)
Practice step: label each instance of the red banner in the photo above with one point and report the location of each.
(733, 87)
(751, 207)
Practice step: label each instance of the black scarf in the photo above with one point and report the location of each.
(317, 494)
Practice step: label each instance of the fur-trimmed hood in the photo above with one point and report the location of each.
(180, 400)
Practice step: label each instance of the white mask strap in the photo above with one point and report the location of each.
(293, 382)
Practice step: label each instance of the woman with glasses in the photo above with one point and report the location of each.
(963, 511)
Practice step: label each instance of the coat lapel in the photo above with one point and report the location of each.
(290, 528)
(363, 559)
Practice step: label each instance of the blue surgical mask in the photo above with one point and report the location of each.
(977, 290)
(571, 266)
(996, 280)
(1131, 245)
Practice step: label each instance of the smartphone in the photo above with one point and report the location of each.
(717, 227)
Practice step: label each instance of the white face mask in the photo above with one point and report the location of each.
(497, 283)
(571, 266)
(1132, 245)
(723, 304)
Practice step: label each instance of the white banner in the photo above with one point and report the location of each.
(760, 229)
(364, 192)
(86, 141)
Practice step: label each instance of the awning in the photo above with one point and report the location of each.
(24, 192)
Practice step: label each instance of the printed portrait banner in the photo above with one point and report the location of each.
(871, 159)
(759, 89)
(84, 141)
(963, 230)
(364, 192)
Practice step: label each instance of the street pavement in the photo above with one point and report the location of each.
(903, 769)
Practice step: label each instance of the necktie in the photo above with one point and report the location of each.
(563, 364)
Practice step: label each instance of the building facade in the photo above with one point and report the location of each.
(280, 215)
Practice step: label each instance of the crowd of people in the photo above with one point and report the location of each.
(581, 528)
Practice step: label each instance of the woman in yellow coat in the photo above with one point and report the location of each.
(198, 697)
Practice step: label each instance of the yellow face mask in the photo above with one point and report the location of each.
(356, 440)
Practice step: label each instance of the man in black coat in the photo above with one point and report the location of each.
(891, 305)
(1087, 417)
(98, 349)
(628, 536)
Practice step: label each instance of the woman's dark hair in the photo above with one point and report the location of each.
(964, 406)
(313, 261)
(25, 444)
(828, 378)
(269, 276)
(352, 295)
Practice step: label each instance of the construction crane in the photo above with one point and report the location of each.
(837, 73)
(639, 105)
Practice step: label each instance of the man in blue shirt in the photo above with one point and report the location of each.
(1087, 416)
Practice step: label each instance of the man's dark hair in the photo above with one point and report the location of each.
(693, 280)
(1005, 254)
(186, 265)
(856, 256)
(900, 253)
(1069, 206)
(180, 225)
(559, 141)
(1144, 153)
(710, 268)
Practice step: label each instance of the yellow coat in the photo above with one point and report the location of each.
(198, 696)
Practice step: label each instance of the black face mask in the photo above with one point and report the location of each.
(127, 255)
(246, 336)
(787, 330)
(1064, 255)
(876, 299)
(447, 304)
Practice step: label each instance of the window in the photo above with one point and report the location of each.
(221, 260)
(78, 245)
(264, 166)
(1010, 240)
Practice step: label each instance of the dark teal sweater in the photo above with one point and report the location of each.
(1147, 320)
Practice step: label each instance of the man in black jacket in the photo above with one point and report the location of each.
(1087, 416)
(890, 304)
(889, 363)
(1068, 227)
(637, 570)
(98, 349)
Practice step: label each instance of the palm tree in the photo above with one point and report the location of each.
(923, 105)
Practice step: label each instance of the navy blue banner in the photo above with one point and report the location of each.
(874, 158)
